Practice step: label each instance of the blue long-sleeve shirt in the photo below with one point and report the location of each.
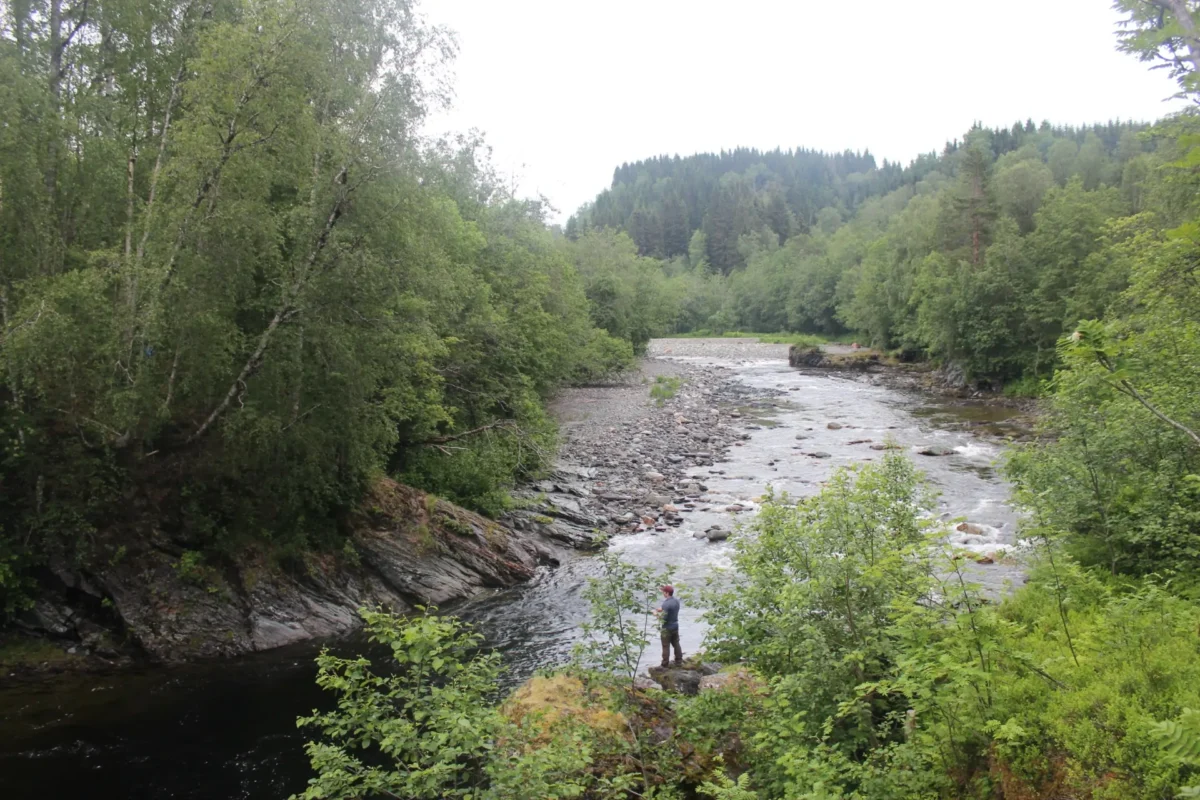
(670, 615)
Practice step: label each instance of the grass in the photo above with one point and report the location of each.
(665, 388)
(19, 652)
(1027, 387)
(801, 339)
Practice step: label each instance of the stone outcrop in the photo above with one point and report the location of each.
(683, 679)
(406, 549)
(834, 357)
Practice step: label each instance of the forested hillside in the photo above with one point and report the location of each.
(981, 255)
(236, 286)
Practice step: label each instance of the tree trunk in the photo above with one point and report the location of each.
(1191, 35)
(56, 54)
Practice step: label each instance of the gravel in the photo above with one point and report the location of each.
(733, 349)
(624, 456)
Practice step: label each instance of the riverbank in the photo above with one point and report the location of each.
(225, 728)
(621, 464)
(637, 455)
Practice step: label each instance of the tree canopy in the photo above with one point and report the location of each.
(236, 285)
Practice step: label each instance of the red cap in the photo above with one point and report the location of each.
(668, 588)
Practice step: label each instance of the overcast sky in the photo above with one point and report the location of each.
(566, 90)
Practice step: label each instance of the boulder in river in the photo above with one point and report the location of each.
(805, 356)
(936, 450)
(717, 534)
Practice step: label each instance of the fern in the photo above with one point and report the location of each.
(1181, 741)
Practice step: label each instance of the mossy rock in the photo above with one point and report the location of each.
(543, 703)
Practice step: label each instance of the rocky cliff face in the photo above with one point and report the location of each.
(407, 548)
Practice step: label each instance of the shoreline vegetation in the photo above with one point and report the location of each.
(263, 347)
(872, 667)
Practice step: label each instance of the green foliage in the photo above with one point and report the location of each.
(664, 388)
(892, 675)
(622, 600)
(627, 292)
(255, 289)
(1181, 740)
(1112, 475)
(428, 726)
(980, 256)
(812, 606)
(878, 670)
(477, 472)
(191, 568)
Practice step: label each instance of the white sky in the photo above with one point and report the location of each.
(566, 90)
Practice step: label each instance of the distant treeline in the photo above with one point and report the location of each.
(982, 254)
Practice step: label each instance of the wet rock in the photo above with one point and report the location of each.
(569, 509)
(717, 534)
(683, 679)
(819, 454)
(834, 426)
(936, 450)
(409, 549)
(46, 616)
(806, 356)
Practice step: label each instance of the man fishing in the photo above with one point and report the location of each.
(669, 611)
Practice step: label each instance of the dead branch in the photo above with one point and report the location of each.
(500, 424)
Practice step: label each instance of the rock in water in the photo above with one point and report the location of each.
(937, 450)
(717, 535)
(805, 356)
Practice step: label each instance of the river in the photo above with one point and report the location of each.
(226, 730)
